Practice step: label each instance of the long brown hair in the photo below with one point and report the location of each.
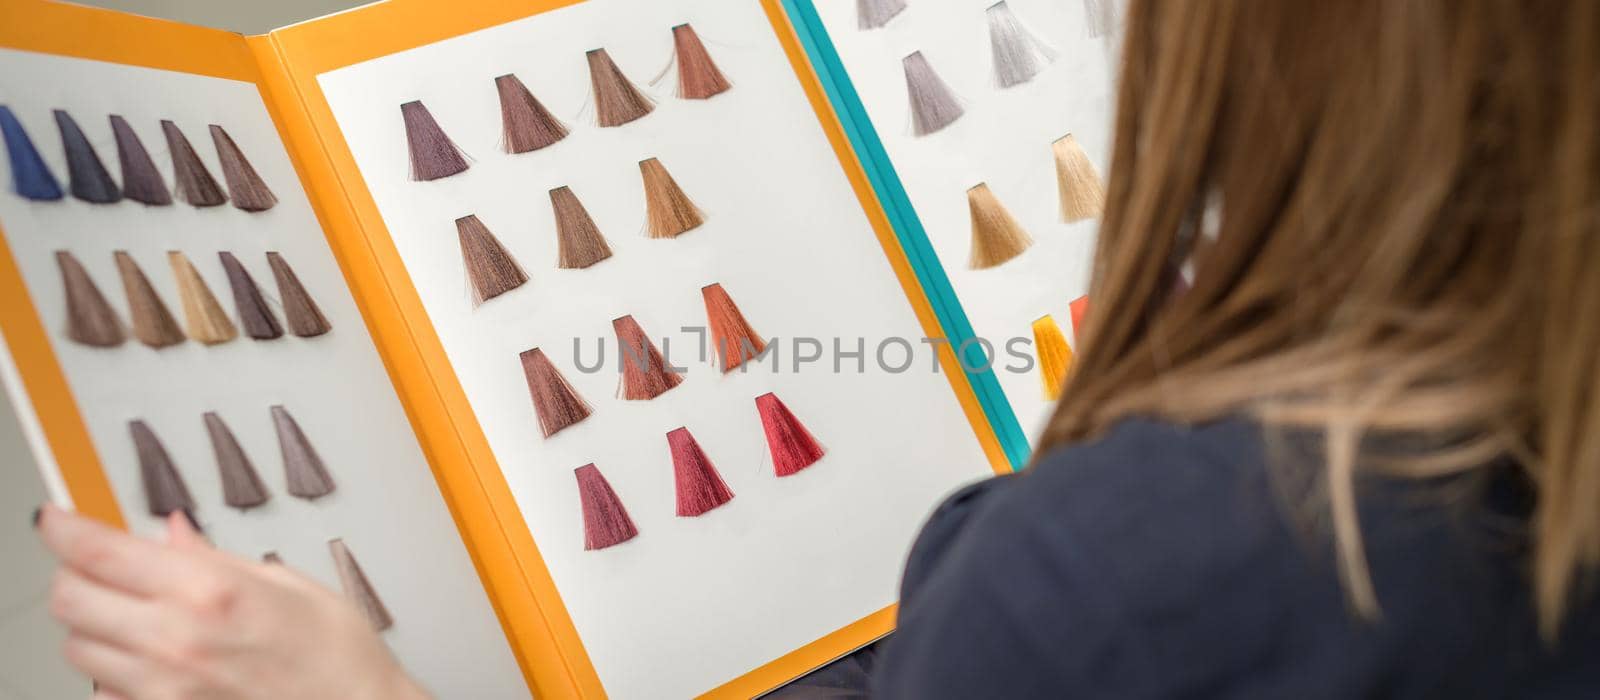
(1390, 209)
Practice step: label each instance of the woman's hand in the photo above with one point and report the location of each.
(180, 620)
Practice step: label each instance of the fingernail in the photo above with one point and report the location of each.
(37, 513)
(188, 515)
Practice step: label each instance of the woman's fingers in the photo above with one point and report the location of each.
(113, 667)
(105, 614)
(113, 558)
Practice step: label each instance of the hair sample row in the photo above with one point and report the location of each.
(88, 179)
(998, 237)
(1018, 56)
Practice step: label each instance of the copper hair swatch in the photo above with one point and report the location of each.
(617, 100)
(555, 401)
(491, 271)
(207, 322)
(670, 211)
(164, 490)
(996, 235)
(792, 446)
(579, 239)
(87, 176)
(1083, 196)
(357, 588)
(30, 177)
(433, 154)
(527, 125)
(644, 370)
(303, 469)
(699, 77)
(731, 335)
(1055, 356)
(141, 182)
(254, 314)
(194, 182)
(90, 319)
(244, 184)
(242, 487)
(305, 319)
(872, 14)
(605, 520)
(699, 487)
(1018, 54)
(153, 324)
(1080, 310)
(933, 105)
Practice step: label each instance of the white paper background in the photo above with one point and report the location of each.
(387, 507)
(1003, 139)
(690, 603)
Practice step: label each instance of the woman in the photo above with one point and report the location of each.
(1358, 456)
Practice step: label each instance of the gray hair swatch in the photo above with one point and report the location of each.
(1018, 54)
(872, 14)
(164, 490)
(302, 467)
(933, 105)
(241, 485)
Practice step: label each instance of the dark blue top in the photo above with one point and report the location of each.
(1164, 561)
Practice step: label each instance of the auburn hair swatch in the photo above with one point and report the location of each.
(242, 487)
(527, 125)
(792, 446)
(699, 487)
(996, 235)
(164, 490)
(554, 400)
(357, 588)
(605, 521)
(732, 337)
(305, 319)
(88, 178)
(491, 271)
(194, 182)
(1083, 195)
(30, 177)
(244, 185)
(141, 182)
(644, 370)
(433, 154)
(699, 77)
(254, 314)
(207, 322)
(579, 239)
(670, 211)
(872, 14)
(617, 100)
(303, 469)
(90, 319)
(933, 105)
(153, 324)
(1055, 356)
(1018, 54)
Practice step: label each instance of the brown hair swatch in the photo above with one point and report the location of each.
(732, 337)
(605, 520)
(356, 586)
(554, 400)
(88, 178)
(303, 469)
(528, 126)
(271, 558)
(1083, 196)
(90, 318)
(305, 319)
(670, 211)
(244, 184)
(491, 271)
(644, 370)
(580, 241)
(241, 485)
(164, 490)
(141, 182)
(153, 324)
(433, 154)
(254, 314)
(206, 320)
(194, 182)
(933, 105)
(996, 235)
(698, 76)
(617, 100)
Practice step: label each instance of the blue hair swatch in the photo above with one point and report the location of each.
(30, 177)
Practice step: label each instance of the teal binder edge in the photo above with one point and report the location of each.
(907, 227)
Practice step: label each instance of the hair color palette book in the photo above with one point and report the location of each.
(575, 333)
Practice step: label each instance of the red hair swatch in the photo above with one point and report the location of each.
(791, 444)
(700, 487)
(733, 338)
(644, 370)
(605, 521)
(1079, 308)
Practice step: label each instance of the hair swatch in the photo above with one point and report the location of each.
(872, 14)
(1080, 309)
(733, 338)
(933, 105)
(356, 586)
(996, 235)
(164, 490)
(557, 403)
(580, 241)
(153, 324)
(194, 182)
(30, 177)
(90, 319)
(605, 521)
(305, 319)
(257, 318)
(792, 446)
(141, 182)
(241, 485)
(700, 488)
(207, 322)
(644, 370)
(1019, 55)
(244, 184)
(87, 176)
(303, 469)
(617, 100)
(699, 77)
(671, 212)
(271, 558)
(527, 124)
(1083, 196)
(491, 271)
(433, 154)
(1055, 356)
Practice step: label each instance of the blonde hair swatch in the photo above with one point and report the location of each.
(245, 186)
(254, 314)
(580, 241)
(141, 182)
(207, 322)
(491, 271)
(194, 182)
(433, 154)
(996, 235)
(669, 210)
(699, 77)
(153, 324)
(90, 318)
(527, 125)
(164, 490)
(241, 485)
(933, 105)
(1083, 196)
(357, 588)
(1055, 355)
(1018, 54)
(305, 319)
(872, 14)
(303, 469)
(617, 100)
